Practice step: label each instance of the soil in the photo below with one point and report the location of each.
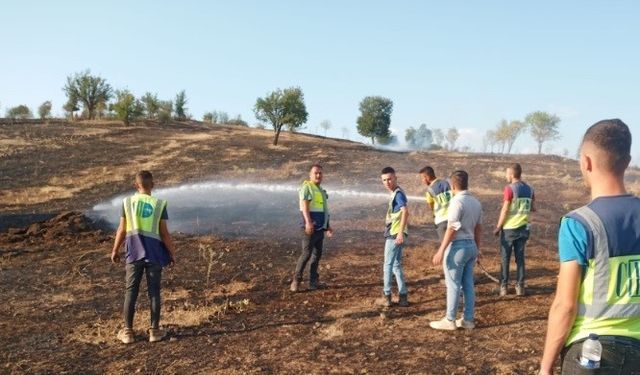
(226, 304)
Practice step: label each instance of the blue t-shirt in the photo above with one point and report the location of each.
(399, 201)
(572, 241)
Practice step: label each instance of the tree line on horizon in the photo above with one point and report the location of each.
(282, 109)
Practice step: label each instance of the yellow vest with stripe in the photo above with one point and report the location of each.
(318, 201)
(440, 203)
(609, 298)
(519, 210)
(143, 213)
(393, 218)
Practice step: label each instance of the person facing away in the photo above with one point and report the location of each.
(513, 227)
(315, 222)
(598, 290)
(396, 231)
(458, 253)
(148, 247)
(438, 196)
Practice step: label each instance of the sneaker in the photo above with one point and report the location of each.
(126, 335)
(461, 323)
(316, 285)
(156, 334)
(519, 290)
(404, 301)
(503, 290)
(443, 324)
(387, 300)
(295, 286)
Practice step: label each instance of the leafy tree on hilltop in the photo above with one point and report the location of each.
(325, 125)
(127, 107)
(88, 90)
(375, 118)
(151, 105)
(165, 109)
(44, 111)
(543, 127)
(452, 137)
(438, 137)
(282, 108)
(21, 112)
(180, 106)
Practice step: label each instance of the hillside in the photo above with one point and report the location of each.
(63, 298)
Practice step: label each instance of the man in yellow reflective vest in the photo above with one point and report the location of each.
(396, 230)
(315, 222)
(438, 197)
(513, 226)
(598, 289)
(149, 248)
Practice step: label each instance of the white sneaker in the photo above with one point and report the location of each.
(156, 334)
(126, 336)
(461, 323)
(443, 324)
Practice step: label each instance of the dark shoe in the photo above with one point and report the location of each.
(520, 290)
(404, 300)
(387, 300)
(315, 285)
(295, 286)
(503, 290)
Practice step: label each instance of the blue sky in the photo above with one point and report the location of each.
(445, 64)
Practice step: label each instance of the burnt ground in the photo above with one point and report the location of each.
(225, 303)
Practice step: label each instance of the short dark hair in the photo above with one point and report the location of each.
(460, 180)
(516, 168)
(428, 171)
(315, 165)
(145, 178)
(387, 170)
(613, 138)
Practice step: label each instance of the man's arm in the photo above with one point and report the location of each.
(306, 215)
(120, 236)
(561, 314)
(167, 240)
(477, 236)
(503, 217)
(404, 217)
(449, 236)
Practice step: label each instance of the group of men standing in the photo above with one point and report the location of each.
(457, 216)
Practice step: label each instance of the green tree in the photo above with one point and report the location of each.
(410, 137)
(238, 121)
(489, 140)
(151, 105)
(127, 108)
(515, 128)
(452, 137)
(282, 108)
(21, 112)
(543, 127)
(424, 137)
(180, 106)
(223, 117)
(88, 90)
(165, 109)
(208, 117)
(44, 111)
(325, 125)
(438, 137)
(375, 118)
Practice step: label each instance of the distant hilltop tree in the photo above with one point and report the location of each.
(88, 90)
(238, 121)
(44, 111)
(165, 109)
(438, 137)
(126, 107)
(325, 125)
(151, 105)
(282, 108)
(21, 112)
(452, 137)
(180, 106)
(420, 139)
(375, 118)
(543, 127)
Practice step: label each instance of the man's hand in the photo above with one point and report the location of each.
(399, 238)
(437, 259)
(545, 372)
(478, 257)
(115, 256)
(496, 232)
(308, 229)
(329, 232)
(172, 261)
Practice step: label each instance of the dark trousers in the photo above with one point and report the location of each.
(133, 278)
(620, 355)
(513, 240)
(311, 250)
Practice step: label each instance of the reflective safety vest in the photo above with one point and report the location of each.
(318, 205)
(143, 213)
(519, 209)
(609, 299)
(440, 194)
(393, 218)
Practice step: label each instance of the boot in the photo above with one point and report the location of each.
(295, 286)
(387, 300)
(404, 300)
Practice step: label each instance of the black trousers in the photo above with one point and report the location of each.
(133, 278)
(311, 251)
(620, 356)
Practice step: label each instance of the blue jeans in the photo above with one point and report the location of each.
(513, 240)
(459, 262)
(393, 263)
